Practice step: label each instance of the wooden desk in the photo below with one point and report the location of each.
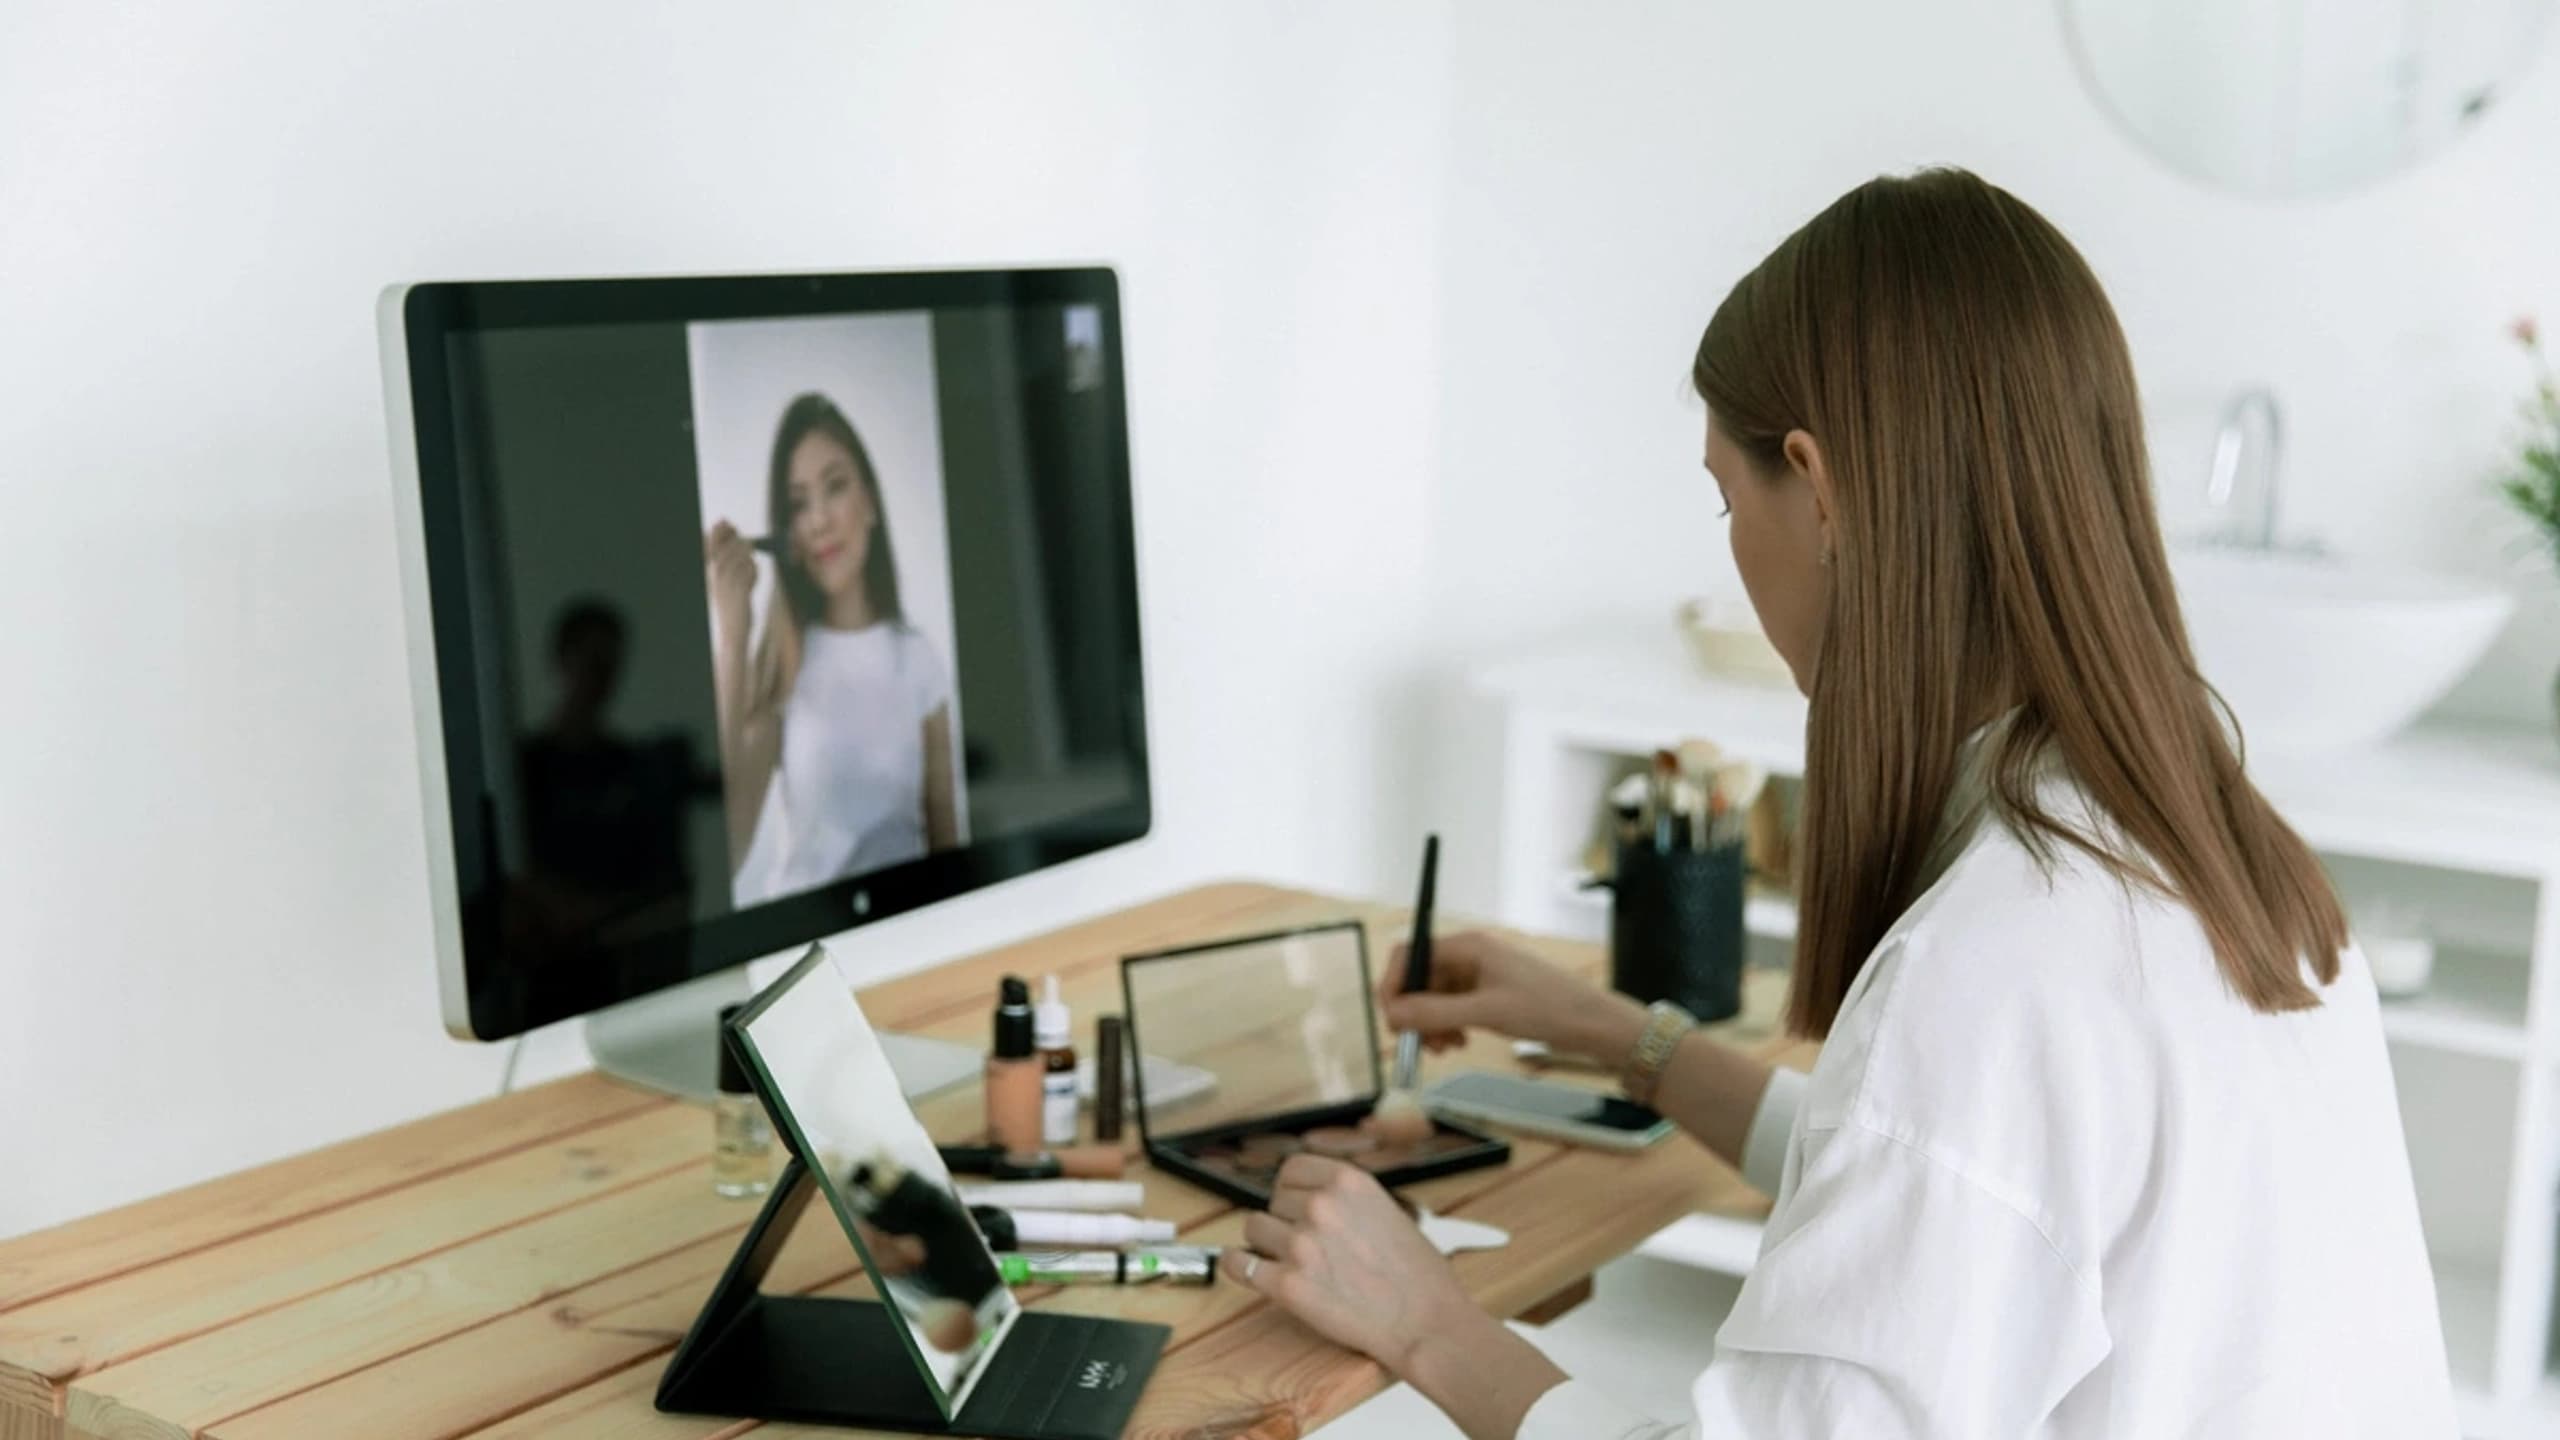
(522, 1267)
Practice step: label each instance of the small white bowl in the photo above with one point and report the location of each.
(1726, 639)
(2401, 964)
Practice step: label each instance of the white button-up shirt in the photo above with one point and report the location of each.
(2051, 1178)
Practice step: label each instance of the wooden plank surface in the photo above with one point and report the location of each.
(518, 1361)
(617, 1407)
(267, 1357)
(522, 1267)
(1562, 1303)
(86, 1251)
(82, 1331)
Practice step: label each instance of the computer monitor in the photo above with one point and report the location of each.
(746, 610)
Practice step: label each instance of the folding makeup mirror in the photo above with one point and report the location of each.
(947, 1348)
(1287, 1026)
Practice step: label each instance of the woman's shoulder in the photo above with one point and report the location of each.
(920, 661)
(2031, 917)
(2026, 964)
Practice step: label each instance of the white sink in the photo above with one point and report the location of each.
(2319, 655)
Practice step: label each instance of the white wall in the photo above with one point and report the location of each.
(1615, 168)
(212, 918)
(1411, 292)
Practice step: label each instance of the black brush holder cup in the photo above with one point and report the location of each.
(1675, 928)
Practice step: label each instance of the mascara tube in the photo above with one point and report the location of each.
(1110, 1040)
(1172, 1265)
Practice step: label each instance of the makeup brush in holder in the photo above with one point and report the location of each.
(1675, 911)
(1675, 928)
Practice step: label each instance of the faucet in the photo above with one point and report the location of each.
(2252, 527)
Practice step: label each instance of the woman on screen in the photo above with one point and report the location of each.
(835, 729)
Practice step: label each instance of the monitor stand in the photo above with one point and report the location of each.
(669, 1041)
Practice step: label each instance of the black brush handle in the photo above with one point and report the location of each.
(1417, 957)
(1417, 963)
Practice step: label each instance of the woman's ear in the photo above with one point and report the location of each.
(1805, 458)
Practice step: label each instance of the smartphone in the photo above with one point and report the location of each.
(1539, 1107)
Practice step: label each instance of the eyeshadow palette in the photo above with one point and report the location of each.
(1286, 1026)
(1248, 1167)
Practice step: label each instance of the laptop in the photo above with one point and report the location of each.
(947, 1348)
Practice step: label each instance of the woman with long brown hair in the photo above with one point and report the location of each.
(2103, 1139)
(835, 729)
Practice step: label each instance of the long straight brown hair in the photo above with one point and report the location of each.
(1994, 543)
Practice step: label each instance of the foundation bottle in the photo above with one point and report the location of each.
(1014, 1072)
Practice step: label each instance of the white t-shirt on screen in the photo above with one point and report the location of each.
(848, 795)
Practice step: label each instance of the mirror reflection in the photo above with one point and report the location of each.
(841, 1106)
(2301, 97)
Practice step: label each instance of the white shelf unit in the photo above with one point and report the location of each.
(2460, 827)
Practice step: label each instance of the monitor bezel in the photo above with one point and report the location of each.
(480, 1000)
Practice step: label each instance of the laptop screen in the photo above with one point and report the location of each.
(840, 1109)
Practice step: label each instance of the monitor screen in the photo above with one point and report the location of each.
(756, 608)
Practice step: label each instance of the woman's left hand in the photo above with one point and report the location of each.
(1337, 1252)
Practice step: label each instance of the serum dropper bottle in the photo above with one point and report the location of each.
(1060, 1115)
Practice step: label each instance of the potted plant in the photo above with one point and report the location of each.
(2531, 483)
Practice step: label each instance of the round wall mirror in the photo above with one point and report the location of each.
(2301, 97)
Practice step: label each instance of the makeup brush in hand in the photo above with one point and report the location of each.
(1399, 1118)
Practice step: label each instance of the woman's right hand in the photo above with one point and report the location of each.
(730, 563)
(1481, 982)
